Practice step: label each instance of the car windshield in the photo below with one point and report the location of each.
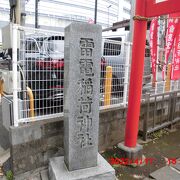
(55, 46)
(32, 45)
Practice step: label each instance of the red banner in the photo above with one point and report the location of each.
(175, 72)
(153, 45)
(170, 36)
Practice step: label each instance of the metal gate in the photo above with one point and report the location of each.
(162, 110)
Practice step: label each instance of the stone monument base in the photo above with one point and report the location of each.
(59, 171)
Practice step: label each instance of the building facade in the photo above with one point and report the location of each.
(124, 9)
(56, 14)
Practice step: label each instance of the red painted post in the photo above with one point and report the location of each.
(137, 66)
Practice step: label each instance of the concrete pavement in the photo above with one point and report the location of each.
(4, 135)
(168, 172)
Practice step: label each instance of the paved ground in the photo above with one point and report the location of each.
(163, 146)
(167, 172)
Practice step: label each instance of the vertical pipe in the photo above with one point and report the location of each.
(146, 119)
(136, 77)
(36, 13)
(95, 12)
(14, 68)
(23, 13)
(108, 85)
(126, 74)
(31, 102)
(1, 87)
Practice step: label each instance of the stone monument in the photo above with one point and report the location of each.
(81, 107)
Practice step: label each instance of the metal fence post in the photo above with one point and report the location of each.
(168, 79)
(172, 107)
(146, 119)
(126, 74)
(15, 79)
(108, 85)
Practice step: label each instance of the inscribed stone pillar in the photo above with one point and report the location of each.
(81, 94)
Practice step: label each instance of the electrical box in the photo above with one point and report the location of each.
(7, 111)
(7, 77)
(7, 37)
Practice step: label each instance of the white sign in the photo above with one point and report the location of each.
(159, 1)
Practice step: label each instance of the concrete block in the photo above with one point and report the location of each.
(130, 153)
(59, 171)
(166, 173)
(44, 174)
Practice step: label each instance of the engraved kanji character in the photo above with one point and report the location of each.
(85, 139)
(86, 42)
(85, 123)
(86, 52)
(86, 67)
(85, 105)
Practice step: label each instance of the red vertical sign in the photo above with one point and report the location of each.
(170, 36)
(153, 45)
(175, 73)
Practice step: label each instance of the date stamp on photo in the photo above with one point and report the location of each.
(146, 161)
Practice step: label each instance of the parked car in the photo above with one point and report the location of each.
(45, 70)
(114, 52)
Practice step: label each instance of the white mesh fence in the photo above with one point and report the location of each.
(116, 57)
(39, 74)
(41, 67)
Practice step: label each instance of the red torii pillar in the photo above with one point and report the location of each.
(144, 8)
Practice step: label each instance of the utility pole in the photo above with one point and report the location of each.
(17, 12)
(108, 13)
(36, 14)
(17, 16)
(95, 12)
